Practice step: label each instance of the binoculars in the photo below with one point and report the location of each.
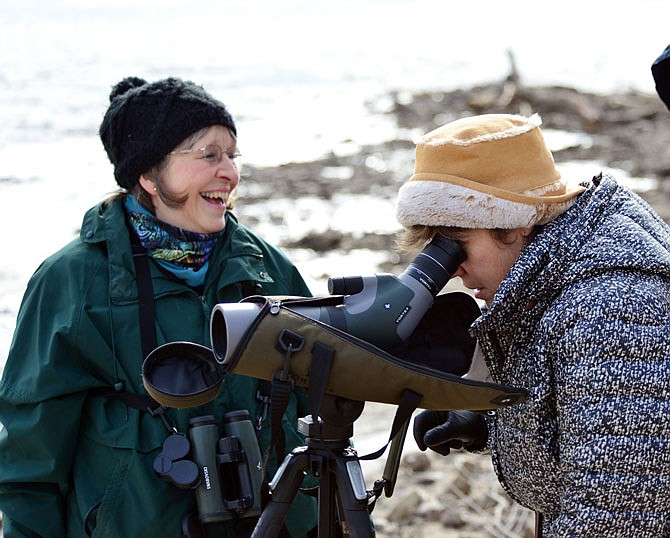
(226, 470)
(231, 467)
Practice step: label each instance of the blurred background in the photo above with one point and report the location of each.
(303, 80)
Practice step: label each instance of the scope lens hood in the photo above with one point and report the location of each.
(229, 323)
(182, 374)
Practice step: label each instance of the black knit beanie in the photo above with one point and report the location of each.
(145, 121)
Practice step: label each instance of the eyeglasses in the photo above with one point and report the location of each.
(211, 153)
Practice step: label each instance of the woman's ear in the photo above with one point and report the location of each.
(148, 183)
(526, 232)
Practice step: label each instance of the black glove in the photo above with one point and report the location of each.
(443, 430)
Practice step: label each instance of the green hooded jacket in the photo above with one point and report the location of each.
(73, 464)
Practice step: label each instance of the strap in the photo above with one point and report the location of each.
(279, 398)
(145, 295)
(322, 360)
(136, 401)
(409, 401)
(539, 519)
(263, 393)
(282, 384)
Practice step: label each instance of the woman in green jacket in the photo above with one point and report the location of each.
(75, 459)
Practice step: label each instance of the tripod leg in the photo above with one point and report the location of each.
(283, 489)
(353, 498)
(328, 507)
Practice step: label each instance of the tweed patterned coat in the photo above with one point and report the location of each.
(582, 321)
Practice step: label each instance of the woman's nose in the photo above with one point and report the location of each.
(227, 168)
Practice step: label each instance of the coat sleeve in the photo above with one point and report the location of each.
(613, 403)
(41, 398)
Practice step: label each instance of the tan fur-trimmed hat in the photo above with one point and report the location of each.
(489, 171)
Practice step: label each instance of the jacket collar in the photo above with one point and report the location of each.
(577, 244)
(106, 224)
(236, 257)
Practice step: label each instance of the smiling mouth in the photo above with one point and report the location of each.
(218, 197)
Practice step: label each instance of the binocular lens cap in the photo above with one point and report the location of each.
(182, 374)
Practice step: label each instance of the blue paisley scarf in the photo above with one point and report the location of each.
(183, 253)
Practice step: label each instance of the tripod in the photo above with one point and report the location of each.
(342, 497)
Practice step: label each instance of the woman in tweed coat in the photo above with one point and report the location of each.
(576, 282)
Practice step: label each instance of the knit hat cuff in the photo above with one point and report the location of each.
(438, 203)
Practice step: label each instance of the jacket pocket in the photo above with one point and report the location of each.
(91, 519)
(110, 422)
(116, 490)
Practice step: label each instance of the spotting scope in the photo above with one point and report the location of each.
(381, 309)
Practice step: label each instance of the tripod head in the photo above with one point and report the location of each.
(335, 421)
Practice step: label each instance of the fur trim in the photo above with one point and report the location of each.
(550, 189)
(436, 203)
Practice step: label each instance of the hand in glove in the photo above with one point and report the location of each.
(443, 430)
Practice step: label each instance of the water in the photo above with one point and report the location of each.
(300, 77)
